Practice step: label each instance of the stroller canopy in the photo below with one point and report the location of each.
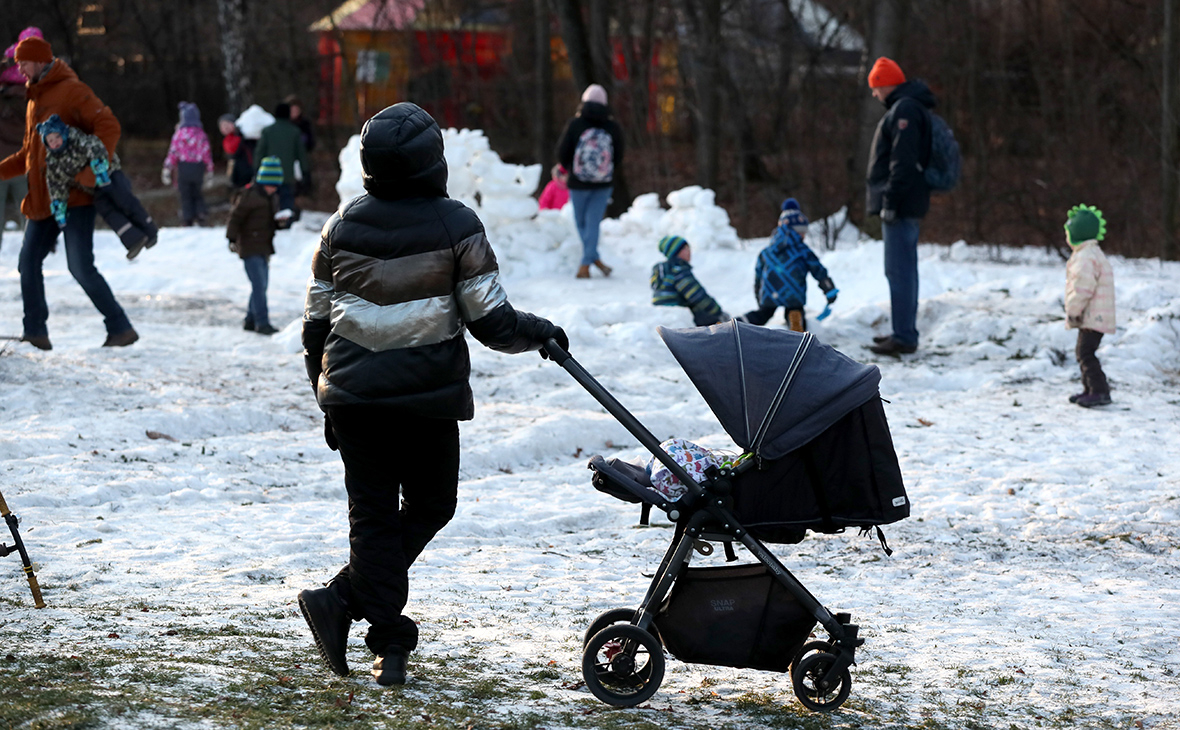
(772, 390)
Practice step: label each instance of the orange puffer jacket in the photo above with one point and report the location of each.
(59, 92)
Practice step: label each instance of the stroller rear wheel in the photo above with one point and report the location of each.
(810, 688)
(623, 665)
(616, 616)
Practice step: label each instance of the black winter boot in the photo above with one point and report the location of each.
(390, 667)
(327, 616)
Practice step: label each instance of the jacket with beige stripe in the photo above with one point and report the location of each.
(401, 273)
(1089, 289)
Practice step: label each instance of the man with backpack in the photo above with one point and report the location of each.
(591, 148)
(899, 191)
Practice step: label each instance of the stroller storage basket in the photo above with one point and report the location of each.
(733, 616)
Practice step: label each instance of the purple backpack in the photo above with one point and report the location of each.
(594, 157)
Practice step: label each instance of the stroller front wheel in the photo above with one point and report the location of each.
(623, 665)
(813, 691)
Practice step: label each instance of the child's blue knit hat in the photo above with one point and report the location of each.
(270, 171)
(792, 216)
(54, 124)
(671, 245)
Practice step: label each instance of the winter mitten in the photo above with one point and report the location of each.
(233, 246)
(888, 215)
(58, 208)
(831, 295)
(209, 183)
(166, 175)
(102, 172)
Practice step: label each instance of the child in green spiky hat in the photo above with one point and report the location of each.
(1089, 299)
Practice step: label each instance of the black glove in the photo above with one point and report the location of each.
(888, 215)
(558, 334)
(330, 435)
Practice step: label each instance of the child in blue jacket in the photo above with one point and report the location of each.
(780, 276)
(673, 284)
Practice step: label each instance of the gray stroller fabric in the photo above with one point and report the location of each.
(745, 374)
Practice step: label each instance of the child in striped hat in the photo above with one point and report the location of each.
(674, 285)
(251, 234)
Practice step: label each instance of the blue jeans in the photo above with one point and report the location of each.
(589, 207)
(40, 239)
(901, 269)
(258, 272)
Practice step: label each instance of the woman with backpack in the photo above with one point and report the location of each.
(591, 149)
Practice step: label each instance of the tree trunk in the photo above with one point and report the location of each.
(886, 23)
(543, 149)
(704, 21)
(231, 17)
(1170, 130)
(601, 52)
(577, 46)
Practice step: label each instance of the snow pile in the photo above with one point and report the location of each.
(502, 195)
(1036, 523)
(253, 121)
(351, 183)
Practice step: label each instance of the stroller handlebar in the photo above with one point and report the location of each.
(624, 417)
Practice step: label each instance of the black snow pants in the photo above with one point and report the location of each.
(385, 452)
(123, 212)
(190, 177)
(1093, 379)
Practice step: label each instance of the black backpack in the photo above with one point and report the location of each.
(942, 169)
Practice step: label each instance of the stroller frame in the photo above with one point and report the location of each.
(821, 680)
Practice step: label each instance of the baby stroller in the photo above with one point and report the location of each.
(817, 456)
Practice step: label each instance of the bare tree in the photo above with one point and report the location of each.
(1170, 129)
(231, 18)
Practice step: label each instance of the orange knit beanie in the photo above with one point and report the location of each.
(34, 49)
(885, 72)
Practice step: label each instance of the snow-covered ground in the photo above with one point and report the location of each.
(185, 481)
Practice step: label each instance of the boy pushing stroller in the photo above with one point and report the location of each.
(68, 151)
(780, 276)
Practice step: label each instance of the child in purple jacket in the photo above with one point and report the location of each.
(192, 157)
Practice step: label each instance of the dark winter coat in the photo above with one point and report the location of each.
(780, 276)
(401, 273)
(58, 91)
(590, 114)
(901, 149)
(252, 222)
(282, 139)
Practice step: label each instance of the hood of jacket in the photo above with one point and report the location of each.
(594, 112)
(402, 154)
(54, 73)
(915, 89)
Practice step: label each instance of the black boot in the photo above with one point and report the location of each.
(327, 616)
(390, 667)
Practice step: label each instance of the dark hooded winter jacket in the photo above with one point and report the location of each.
(400, 274)
(590, 114)
(900, 151)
